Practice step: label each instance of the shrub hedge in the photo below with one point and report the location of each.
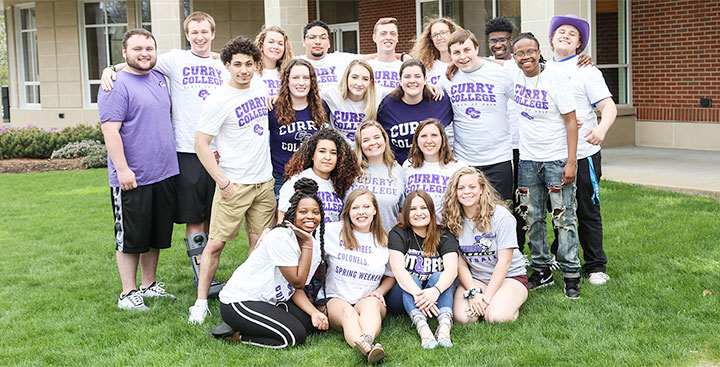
(35, 142)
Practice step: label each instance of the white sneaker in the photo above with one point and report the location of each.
(132, 301)
(599, 278)
(156, 290)
(198, 314)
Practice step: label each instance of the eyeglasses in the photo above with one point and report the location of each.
(493, 41)
(529, 53)
(312, 37)
(437, 35)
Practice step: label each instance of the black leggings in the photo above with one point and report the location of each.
(265, 325)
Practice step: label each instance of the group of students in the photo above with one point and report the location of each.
(399, 183)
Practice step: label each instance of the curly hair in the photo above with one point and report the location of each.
(370, 94)
(376, 227)
(530, 36)
(388, 156)
(239, 45)
(307, 188)
(416, 156)
(424, 48)
(453, 213)
(287, 54)
(346, 169)
(399, 92)
(432, 234)
(499, 24)
(284, 111)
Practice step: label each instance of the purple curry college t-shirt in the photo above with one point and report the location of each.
(142, 104)
(285, 140)
(400, 120)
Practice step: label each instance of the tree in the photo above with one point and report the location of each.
(3, 52)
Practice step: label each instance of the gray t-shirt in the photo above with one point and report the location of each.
(480, 249)
(389, 191)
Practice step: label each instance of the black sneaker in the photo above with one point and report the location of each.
(221, 330)
(539, 279)
(571, 288)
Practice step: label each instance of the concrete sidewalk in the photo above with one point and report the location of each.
(695, 172)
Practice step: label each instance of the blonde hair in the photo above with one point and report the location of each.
(370, 94)
(287, 55)
(388, 156)
(376, 228)
(383, 21)
(424, 48)
(453, 213)
(199, 16)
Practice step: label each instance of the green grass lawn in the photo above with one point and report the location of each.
(59, 302)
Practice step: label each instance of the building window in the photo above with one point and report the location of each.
(471, 15)
(28, 69)
(611, 47)
(143, 14)
(342, 18)
(103, 24)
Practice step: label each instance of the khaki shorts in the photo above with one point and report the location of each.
(255, 203)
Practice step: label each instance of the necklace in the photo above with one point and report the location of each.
(532, 94)
(415, 236)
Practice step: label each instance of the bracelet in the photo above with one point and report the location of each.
(306, 247)
(226, 186)
(438, 289)
(470, 293)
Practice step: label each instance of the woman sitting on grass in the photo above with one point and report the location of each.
(492, 276)
(326, 158)
(424, 262)
(358, 275)
(260, 303)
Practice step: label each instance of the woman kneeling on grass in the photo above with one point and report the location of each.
(259, 303)
(358, 275)
(424, 262)
(492, 276)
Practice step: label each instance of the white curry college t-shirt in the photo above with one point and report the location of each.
(330, 68)
(238, 119)
(480, 120)
(192, 80)
(387, 74)
(332, 204)
(541, 101)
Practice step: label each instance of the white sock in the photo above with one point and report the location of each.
(201, 303)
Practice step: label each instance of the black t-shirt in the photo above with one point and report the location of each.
(410, 244)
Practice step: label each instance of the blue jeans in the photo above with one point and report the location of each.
(444, 301)
(538, 182)
(279, 181)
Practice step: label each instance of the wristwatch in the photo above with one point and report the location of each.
(470, 293)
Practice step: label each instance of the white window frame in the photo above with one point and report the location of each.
(21, 62)
(418, 16)
(628, 63)
(138, 15)
(339, 28)
(83, 51)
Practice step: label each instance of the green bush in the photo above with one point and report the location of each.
(34, 142)
(77, 149)
(96, 158)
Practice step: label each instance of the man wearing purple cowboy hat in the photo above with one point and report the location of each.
(569, 35)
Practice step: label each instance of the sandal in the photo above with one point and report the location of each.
(377, 354)
(363, 344)
(428, 340)
(444, 319)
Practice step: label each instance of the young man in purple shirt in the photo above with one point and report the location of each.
(141, 167)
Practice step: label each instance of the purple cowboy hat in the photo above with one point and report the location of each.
(571, 19)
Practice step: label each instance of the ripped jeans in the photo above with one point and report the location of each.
(538, 182)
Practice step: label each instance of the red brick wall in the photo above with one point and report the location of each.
(675, 59)
(369, 11)
(312, 10)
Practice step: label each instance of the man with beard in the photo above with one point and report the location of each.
(329, 67)
(142, 165)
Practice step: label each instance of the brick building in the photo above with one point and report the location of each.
(659, 57)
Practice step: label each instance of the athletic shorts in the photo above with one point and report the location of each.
(522, 279)
(144, 216)
(195, 190)
(255, 203)
(500, 176)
